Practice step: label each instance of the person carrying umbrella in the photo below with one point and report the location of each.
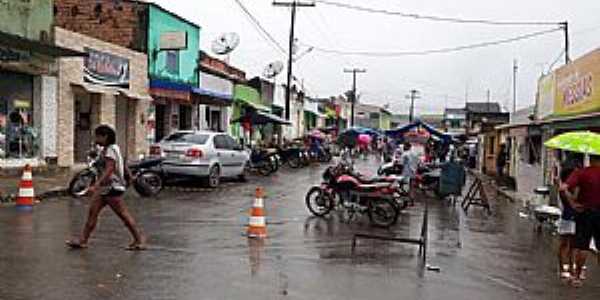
(581, 190)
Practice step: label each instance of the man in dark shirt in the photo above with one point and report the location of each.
(582, 190)
(501, 161)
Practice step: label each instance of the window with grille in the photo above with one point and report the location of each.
(173, 62)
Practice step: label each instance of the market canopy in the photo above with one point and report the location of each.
(350, 136)
(356, 131)
(261, 118)
(400, 131)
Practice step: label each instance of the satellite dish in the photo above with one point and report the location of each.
(273, 69)
(225, 43)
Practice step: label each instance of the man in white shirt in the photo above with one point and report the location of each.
(410, 163)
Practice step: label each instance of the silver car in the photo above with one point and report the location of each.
(206, 154)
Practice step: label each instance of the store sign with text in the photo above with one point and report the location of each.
(578, 86)
(106, 69)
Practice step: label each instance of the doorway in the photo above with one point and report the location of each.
(125, 124)
(185, 117)
(85, 111)
(159, 119)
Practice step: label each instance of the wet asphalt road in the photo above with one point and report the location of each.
(197, 251)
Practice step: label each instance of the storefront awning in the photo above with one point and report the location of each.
(207, 97)
(132, 95)
(95, 89)
(261, 118)
(171, 90)
(22, 43)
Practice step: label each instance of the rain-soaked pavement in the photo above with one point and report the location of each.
(197, 251)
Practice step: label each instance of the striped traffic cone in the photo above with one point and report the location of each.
(257, 225)
(26, 192)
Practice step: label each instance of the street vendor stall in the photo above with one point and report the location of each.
(419, 130)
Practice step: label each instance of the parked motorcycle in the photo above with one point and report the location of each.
(344, 188)
(148, 177)
(290, 157)
(262, 162)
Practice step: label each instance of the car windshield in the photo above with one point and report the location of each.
(186, 137)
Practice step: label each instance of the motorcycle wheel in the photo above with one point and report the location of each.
(294, 161)
(325, 157)
(318, 202)
(274, 163)
(81, 183)
(265, 168)
(383, 212)
(148, 184)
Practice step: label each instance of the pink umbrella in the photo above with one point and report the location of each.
(364, 139)
(317, 134)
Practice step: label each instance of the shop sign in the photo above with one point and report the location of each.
(10, 55)
(106, 69)
(216, 84)
(546, 93)
(23, 104)
(578, 86)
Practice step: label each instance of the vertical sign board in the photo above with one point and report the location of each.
(106, 69)
(546, 93)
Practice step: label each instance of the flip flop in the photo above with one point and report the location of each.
(75, 245)
(137, 247)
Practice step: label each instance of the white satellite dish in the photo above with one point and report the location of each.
(273, 69)
(225, 43)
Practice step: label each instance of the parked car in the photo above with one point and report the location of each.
(204, 154)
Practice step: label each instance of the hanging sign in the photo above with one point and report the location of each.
(106, 69)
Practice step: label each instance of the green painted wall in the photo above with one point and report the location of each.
(245, 93)
(161, 21)
(385, 121)
(27, 18)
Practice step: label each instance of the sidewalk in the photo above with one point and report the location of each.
(47, 185)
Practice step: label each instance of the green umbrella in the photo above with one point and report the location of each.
(576, 141)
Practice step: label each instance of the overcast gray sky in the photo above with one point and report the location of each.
(389, 79)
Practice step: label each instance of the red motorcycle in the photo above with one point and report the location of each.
(344, 189)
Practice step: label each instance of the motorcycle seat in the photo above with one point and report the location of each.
(373, 186)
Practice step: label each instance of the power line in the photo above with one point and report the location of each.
(264, 33)
(436, 51)
(434, 18)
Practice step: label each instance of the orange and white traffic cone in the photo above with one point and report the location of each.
(26, 191)
(257, 225)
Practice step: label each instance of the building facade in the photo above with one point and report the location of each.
(28, 84)
(215, 93)
(109, 86)
(170, 42)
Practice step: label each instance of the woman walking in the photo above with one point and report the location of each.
(109, 190)
(567, 226)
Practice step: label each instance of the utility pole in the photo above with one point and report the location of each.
(489, 96)
(353, 71)
(414, 94)
(466, 95)
(288, 92)
(565, 27)
(515, 70)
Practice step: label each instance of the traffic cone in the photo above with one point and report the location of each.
(26, 192)
(257, 225)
